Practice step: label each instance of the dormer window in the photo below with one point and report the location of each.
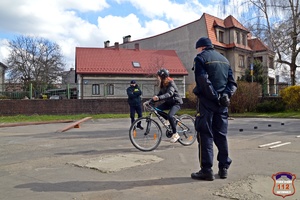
(244, 38)
(136, 64)
(221, 36)
(238, 37)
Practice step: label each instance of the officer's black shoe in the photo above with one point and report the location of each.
(140, 127)
(208, 176)
(223, 173)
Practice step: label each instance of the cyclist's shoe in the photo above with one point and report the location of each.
(174, 138)
(223, 173)
(140, 127)
(201, 175)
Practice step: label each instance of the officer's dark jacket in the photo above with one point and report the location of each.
(170, 94)
(134, 95)
(213, 75)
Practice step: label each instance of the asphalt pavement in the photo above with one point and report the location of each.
(97, 161)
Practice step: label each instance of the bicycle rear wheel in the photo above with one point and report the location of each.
(186, 130)
(149, 137)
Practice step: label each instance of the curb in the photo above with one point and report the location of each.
(34, 123)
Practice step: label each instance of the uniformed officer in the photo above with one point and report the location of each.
(134, 100)
(215, 85)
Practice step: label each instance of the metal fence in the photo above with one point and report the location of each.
(101, 90)
(19, 91)
(83, 91)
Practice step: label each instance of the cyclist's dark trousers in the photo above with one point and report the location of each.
(213, 129)
(137, 109)
(173, 109)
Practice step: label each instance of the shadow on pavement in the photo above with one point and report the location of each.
(83, 186)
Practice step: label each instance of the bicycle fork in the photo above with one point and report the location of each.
(148, 121)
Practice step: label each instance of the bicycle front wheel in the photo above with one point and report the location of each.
(186, 130)
(145, 134)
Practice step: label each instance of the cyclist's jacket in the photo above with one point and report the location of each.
(170, 94)
(134, 95)
(213, 75)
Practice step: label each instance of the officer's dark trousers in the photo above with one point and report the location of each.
(137, 109)
(213, 129)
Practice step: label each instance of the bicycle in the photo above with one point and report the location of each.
(149, 137)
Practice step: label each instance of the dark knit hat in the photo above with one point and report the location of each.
(132, 82)
(203, 42)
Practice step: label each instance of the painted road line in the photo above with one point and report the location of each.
(278, 145)
(298, 136)
(269, 144)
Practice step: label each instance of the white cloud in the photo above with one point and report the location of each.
(115, 28)
(176, 13)
(83, 6)
(4, 51)
(155, 27)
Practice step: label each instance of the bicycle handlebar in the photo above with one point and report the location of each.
(148, 105)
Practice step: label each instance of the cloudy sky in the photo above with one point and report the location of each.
(88, 23)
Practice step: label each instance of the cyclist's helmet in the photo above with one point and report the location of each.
(163, 73)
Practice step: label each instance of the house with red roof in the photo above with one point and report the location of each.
(107, 72)
(228, 36)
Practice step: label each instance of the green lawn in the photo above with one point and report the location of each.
(42, 118)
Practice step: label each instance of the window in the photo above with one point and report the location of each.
(244, 39)
(221, 36)
(241, 61)
(238, 37)
(110, 89)
(95, 89)
(271, 63)
(136, 64)
(259, 59)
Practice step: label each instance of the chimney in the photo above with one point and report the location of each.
(106, 44)
(126, 38)
(116, 45)
(137, 46)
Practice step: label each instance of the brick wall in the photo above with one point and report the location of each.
(67, 106)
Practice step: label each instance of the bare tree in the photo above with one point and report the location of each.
(34, 60)
(155, 63)
(279, 22)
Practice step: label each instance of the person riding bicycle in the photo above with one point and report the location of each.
(172, 100)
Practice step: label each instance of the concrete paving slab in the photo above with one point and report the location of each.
(114, 163)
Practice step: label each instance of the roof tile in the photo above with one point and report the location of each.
(119, 61)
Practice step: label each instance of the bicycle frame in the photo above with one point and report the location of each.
(158, 113)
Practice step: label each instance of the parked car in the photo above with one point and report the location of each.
(55, 97)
